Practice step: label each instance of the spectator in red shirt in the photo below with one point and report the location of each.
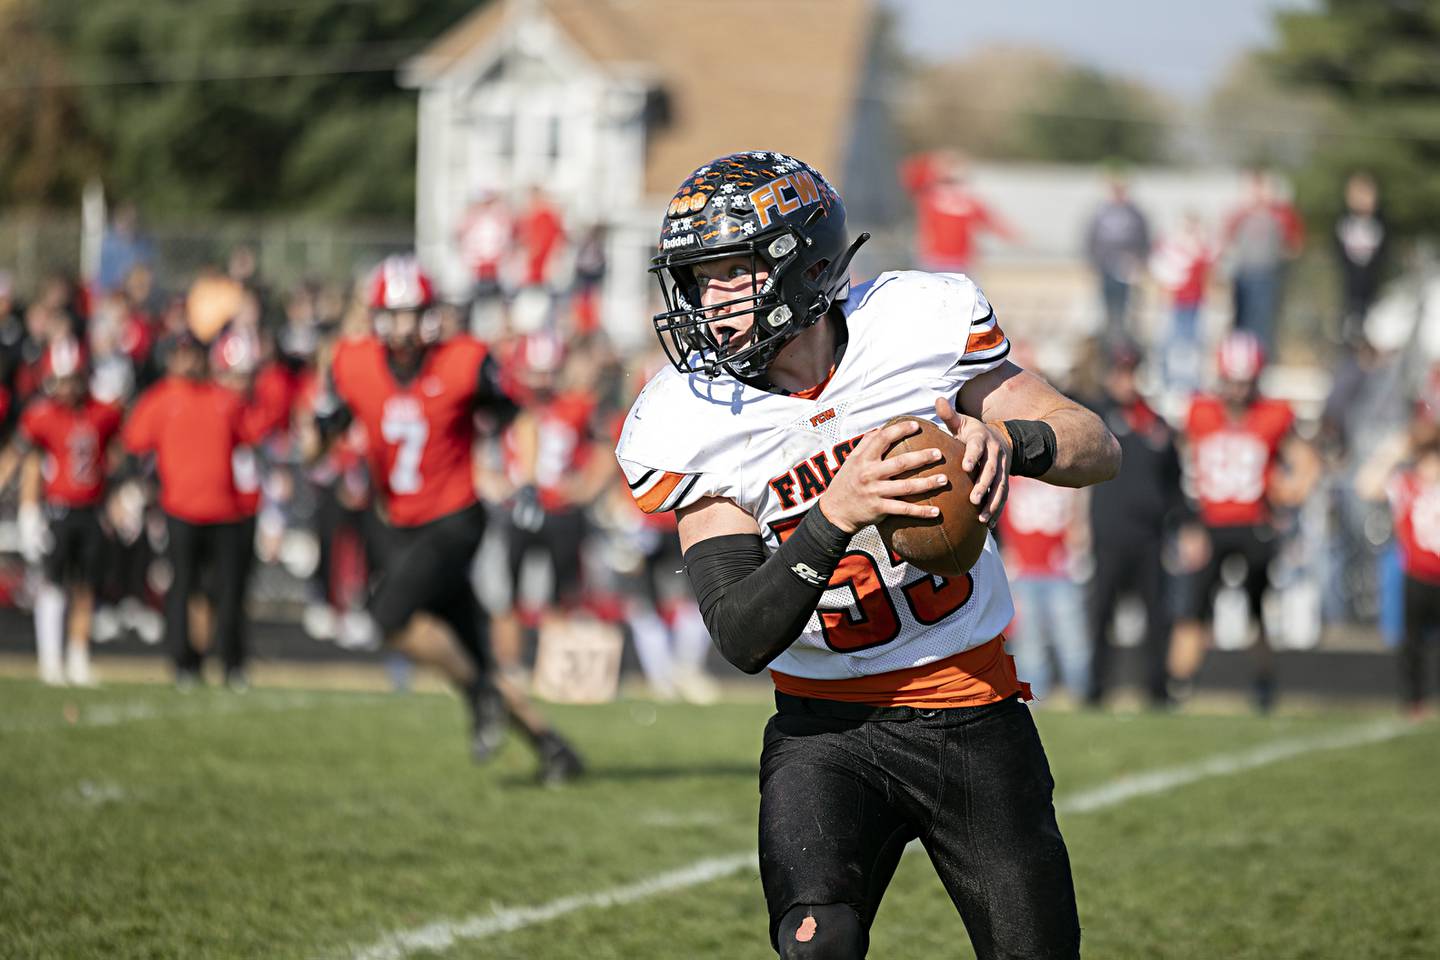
(484, 236)
(64, 439)
(1181, 266)
(949, 216)
(540, 233)
(1261, 238)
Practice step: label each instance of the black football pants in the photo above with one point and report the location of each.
(1122, 568)
(1422, 623)
(209, 559)
(426, 568)
(844, 787)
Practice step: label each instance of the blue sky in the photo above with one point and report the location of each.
(1179, 46)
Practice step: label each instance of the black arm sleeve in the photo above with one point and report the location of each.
(491, 397)
(332, 416)
(755, 607)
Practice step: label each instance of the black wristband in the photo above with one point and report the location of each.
(1032, 447)
(814, 550)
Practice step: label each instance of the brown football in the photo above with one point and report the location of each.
(949, 544)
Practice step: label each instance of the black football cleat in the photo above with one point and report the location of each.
(559, 763)
(488, 720)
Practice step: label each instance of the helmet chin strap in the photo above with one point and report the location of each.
(840, 268)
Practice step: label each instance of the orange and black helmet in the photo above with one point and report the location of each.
(784, 215)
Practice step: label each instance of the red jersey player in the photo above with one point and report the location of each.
(194, 427)
(553, 486)
(1407, 473)
(1244, 460)
(64, 436)
(417, 397)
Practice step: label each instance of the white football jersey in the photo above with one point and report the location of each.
(913, 337)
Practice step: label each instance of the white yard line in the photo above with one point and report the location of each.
(1166, 779)
(78, 715)
(443, 934)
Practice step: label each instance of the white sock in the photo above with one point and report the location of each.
(77, 663)
(49, 631)
(652, 644)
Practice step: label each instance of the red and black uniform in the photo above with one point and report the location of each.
(1232, 459)
(73, 441)
(419, 434)
(266, 412)
(1415, 505)
(564, 447)
(194, 429)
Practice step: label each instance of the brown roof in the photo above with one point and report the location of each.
(736, 75)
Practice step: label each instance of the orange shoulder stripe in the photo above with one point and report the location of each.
(985, 340)
(652, 499)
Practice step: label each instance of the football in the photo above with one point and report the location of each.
(949, 544)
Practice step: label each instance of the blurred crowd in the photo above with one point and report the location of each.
(1230, 505)
(566, 542)
(1227, 500)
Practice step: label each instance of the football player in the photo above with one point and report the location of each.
(1244, 462)
(899, 713)
(417, 397)
(234, 360)
(1406, 472)
(552, 486)
(194, 428)
(63, 444)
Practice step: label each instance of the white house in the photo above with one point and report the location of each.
(608, 104)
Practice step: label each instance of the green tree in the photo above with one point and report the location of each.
(1021, 103)
(46, 152)
(249, 106)
(1090, 117)
(1378, 62)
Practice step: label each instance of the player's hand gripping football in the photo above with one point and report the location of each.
(987, 446)
(864, 489)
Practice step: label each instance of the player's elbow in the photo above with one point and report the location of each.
(745, 660)
(1111, 458)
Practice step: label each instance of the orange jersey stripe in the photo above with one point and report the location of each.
(985, 340)
(980, 675)
(652, 499)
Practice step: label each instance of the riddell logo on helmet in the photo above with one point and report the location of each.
(670, 243)
(772, 196)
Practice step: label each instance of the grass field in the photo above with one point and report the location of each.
(136, 822)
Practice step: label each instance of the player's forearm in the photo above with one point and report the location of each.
(1086, 452)
(754, 606)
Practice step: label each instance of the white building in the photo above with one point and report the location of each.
(609, 104)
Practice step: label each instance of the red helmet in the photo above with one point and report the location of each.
(399, 284)
(235, 351)
(63, 357)
(1240, 356)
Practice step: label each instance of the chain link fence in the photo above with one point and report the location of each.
(35, 244)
